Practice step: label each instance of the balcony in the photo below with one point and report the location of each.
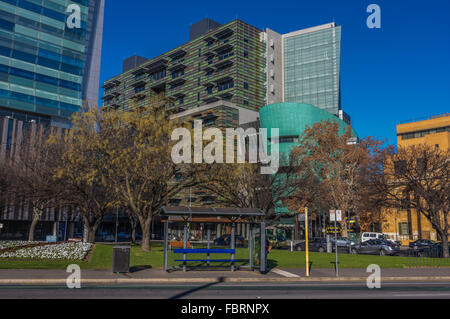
(110, 96)
(223, 34)
(111, 84)
(156, 66)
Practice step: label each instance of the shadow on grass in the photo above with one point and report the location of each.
(188, 292)
(271, 263)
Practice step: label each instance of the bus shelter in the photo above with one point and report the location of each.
(211, 216)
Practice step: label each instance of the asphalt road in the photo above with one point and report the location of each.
(392, 290)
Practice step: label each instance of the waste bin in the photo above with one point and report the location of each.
(121, 259)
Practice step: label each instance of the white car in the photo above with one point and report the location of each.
(368, 236)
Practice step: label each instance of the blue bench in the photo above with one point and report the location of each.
(205, 251)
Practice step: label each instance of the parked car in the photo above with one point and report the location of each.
(314, 244)
(371, 235)
(433, 250)
(376, 247)
(123, 236)
(421, 243)
(343, 242)
(225, 240)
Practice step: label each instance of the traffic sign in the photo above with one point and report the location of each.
(335, 215)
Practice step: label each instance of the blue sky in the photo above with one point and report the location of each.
(396, 73)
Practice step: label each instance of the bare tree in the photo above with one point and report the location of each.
(32, 171)
(243, 185)
(331, 165)
(416, 177)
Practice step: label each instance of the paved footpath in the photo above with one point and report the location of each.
(157, 275)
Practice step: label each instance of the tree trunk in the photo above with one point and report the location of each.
(133, 233)
(145, 226)
(445, 252)
(91, 228)
(34, 222)
(133, 223)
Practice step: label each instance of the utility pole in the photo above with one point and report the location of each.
(117, 222)
(306, 242)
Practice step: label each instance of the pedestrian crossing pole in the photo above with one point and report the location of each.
(306, 242)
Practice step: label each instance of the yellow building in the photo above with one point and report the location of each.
(408, 225)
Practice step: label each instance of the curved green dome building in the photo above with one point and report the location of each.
(292, 119)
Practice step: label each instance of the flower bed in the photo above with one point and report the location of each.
(67, 251)
(16, 243)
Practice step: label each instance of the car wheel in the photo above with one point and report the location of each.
(382, 252)
(354, 251)
(321, 250)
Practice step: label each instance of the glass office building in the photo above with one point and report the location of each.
(311, 67)
(47, 66)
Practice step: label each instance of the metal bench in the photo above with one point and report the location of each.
(206, 251)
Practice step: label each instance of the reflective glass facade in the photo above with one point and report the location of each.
(311, 67)
(42, 60)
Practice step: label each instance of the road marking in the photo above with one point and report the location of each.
(285, 273)
(421, 295)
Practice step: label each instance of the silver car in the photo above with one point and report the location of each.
(376, 247)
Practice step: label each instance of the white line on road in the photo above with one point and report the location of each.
(422, 295)
(285, 273)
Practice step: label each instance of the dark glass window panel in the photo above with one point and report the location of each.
(24, 56)
(6, 25)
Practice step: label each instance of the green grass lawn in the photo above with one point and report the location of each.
(101, 258)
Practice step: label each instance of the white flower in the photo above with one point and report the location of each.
(67, 251)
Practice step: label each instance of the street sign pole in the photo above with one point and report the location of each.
(306, 242)
(335, 244)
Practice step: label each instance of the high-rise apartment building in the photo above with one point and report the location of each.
(47, 66)
(219, 63)
(304, 67)
(238, 64)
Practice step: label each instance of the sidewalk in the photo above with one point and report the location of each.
(43, 277)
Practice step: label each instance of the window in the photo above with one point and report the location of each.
(210, 59)
(421, 165)
(198, 96)
(246, 102)
(225, 85)
(403, 228)
(209, 89)
(246, 85)
(176, 74)
(139, 89)
(181, 100)
(157, 75)
(225, 55)
(246, 40)
(245, 53)
(198, 82)
(199, 52)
